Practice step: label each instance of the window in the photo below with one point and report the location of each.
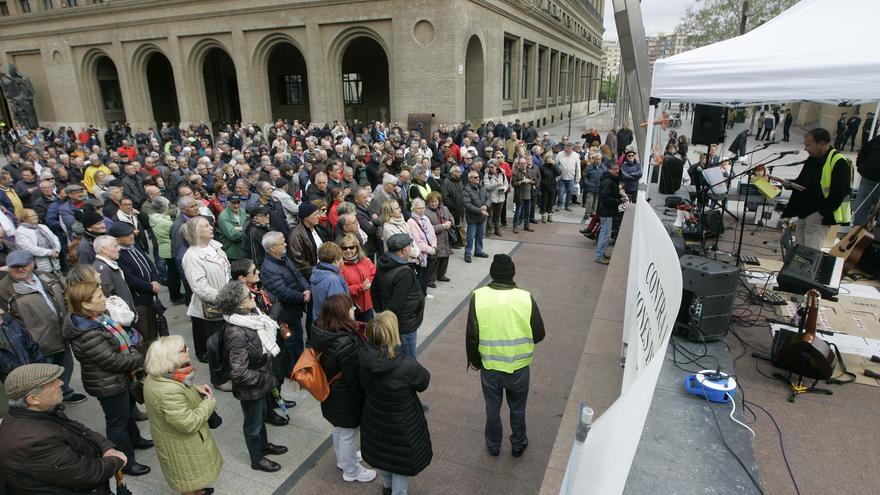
(48, 5)
(507, 69)
(25, 6)
(71, 3)
(541, 54)
(4, 9)
(292, 89)
(526, 55)
(353, 88)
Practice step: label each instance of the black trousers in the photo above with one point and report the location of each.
(516, 386)
(254, 427)
(437, 269)
(122, 429)
(173, 279)
(202, 329)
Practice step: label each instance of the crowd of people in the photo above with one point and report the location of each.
(273, 239)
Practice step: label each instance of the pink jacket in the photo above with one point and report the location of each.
(422, 233)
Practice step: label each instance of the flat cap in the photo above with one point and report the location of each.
(19, 257)
(28, 377)
(398, 242)
(121, 229)
(74, 188)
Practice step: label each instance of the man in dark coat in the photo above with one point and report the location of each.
(452, 190)
(852, 130)
(282, 278)
(624, 138)
(609, 200)
(396, 288)
(786, 125)
(43, 450)
(254, 230)
(17, 347)
(141, 277)
(476, 207)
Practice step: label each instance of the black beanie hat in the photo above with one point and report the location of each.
(502, 269)
(90, 217)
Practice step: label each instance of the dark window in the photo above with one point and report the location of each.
(25, 6)
(292, 89)
(527, 53)
(71, 3)
(4, 9)
(507, 69)
(553, 64)
(353, 88)
(48, 5)
(540, 82)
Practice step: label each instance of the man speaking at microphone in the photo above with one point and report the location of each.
(826, 178)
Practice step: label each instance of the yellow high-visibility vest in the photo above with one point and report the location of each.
(504, 317)
(843, 213)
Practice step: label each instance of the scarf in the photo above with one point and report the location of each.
(122, 337)
(183, 375)
(266, 328)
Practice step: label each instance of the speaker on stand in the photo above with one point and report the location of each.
(710, 123)
(709, 293)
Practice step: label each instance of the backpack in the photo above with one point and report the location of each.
(309, 374)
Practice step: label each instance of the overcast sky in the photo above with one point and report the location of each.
(658, 16)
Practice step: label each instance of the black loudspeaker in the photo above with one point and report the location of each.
(712, 222)
(708, 295)
(709, 124)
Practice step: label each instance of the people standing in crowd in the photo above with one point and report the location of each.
(255, 228)
(476, 207)
(142, 279)
(44, 451)
(503, 326)
(305, 240)
(109, 357)
(94, 226)
(786, 125)
(358, 271)
(840, 137)
(338, 339)
(179, 413)
(551, 172)
(327, 277)
(250, 361)
(17, 347)
(496, 184)
(769, 125)
(610, 198)
(393, 222)
(523, 185)
(38, 240)
(422, 232)
(394, 432)
(591, 178)
(630, 172)
(396, 288)
(232, 222)
(283, 279)
(827, 178)
(441, 220)
(852, 131)
(160, 224)
(370, 223)
(569, 164)
(206, 267)
(453, 194)
(868, 166)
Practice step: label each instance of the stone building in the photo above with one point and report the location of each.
(150, 61)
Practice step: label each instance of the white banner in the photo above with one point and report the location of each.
(601, 464)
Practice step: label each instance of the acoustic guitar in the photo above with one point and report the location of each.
(856, 242)
(805, 353)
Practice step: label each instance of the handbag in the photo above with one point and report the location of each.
(456, 236)
(136, 387)
(215, 420)
(210, 311)
(161, 322)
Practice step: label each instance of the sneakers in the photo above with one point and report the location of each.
(603, 261)
(364, 476)
(75, 398)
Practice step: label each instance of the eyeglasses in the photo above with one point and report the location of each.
(346, 248)
(185, 348)
(324, 210)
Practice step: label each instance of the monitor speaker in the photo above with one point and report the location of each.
(709, 292)
(709, 124)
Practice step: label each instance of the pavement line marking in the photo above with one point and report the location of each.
(312, 460)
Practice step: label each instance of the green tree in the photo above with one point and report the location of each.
(709, 21)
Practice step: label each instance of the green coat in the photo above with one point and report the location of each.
(231, 238)
(189, 457)
(161, 225)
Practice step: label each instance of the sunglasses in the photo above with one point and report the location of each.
(346, 248)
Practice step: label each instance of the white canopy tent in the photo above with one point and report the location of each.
(818, 50)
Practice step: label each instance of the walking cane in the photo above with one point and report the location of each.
(121, 489)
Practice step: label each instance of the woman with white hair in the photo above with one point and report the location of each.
(422, 232)
(206, 268)
(179, 411)
(39, 240)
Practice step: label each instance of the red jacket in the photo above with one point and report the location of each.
(128, 151)
(355, 274)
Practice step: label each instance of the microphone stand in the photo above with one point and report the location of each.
(708, 189)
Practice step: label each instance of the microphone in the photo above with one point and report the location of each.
(794, 152)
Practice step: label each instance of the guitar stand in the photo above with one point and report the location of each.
(798, 387)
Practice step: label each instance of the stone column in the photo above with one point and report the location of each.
(191, 105)
(248, 92)
(136, 104)
(325, 101)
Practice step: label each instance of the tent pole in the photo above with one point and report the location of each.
(874, 123)
(649, 136)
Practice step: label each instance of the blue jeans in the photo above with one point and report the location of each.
(566, 189)
(868, 196)
(294, 344)
(522, 212)
(604, 237)
(475, 234)
(345, 442)
(497, 384)
(65, 360)
(397, 482)
(408, 343)
(254, 411)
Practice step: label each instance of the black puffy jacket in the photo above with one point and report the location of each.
(609, 195)
(106, 371)
(396, 288)
(339, 350)
(394, 432)
(250, 367)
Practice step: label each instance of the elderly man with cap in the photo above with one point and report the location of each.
(305, 240)
(396, 288)
(94, 225)
(106, 264)
(72, 207)
(43, 450)
(254, 230)
(141, 278)
(232, 221)
(503, 326)
(36, 299)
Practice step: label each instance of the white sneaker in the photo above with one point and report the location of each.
(365, 476)
(429, 296)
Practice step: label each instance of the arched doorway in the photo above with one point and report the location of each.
(473, 81)
(221, 88)
(163, 92)
(365, 93)
(112, 105)
(288, 83)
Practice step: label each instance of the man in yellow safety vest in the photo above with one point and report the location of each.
(503, 326)
(826, 178)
